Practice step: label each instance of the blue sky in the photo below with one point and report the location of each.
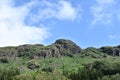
(86, 22)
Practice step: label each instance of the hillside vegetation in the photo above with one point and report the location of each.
(62, 60)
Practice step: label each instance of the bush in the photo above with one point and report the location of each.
(4, 60)
(33, 66)
(113, 77)
(8, 73)
(96, 70)
(49, 69)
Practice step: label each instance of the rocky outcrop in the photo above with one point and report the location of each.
(50, 52)
(114, 51)
(8, 51)
(66, 47)
(61, 47)
(93, 52)
(107, 49)
(33, 66)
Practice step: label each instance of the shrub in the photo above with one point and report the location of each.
(113, 77)
(8, 73)
(33, 66)
(4, 60)
(96, 70)
(49, 69)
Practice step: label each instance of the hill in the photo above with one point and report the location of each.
(61, 60)
(60, 48)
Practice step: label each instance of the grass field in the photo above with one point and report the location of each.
(47, 68)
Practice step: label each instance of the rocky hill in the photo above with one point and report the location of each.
(61, 60)
(61, 47)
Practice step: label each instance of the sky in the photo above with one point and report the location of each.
(88, 23)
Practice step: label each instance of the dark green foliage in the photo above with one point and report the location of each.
(28, 50)
(106, 67)
(33, 66)
(4, 60)
(96, 70)
(8, 73)
(93, 52)
(113, 77)
(86, 74)
(49, 69)
(8, 52)
(114, 51)
(107, 49)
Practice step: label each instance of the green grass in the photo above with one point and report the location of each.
(59, 65)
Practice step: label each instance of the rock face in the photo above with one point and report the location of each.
(33, 66)
(114, 51)
(49, 52)
(60, 48)
(66, 47)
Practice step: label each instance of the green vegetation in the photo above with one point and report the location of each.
(62, 60)
(64, 68)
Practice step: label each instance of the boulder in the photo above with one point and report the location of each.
(114, 51)
(67, 47)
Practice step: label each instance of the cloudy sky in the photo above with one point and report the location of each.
(86, 22)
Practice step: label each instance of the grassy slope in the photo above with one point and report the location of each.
(58, 64)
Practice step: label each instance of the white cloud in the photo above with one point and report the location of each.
(13, 30)
(61, 10)
(18, 23)
(103, 11)
(66, 11)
